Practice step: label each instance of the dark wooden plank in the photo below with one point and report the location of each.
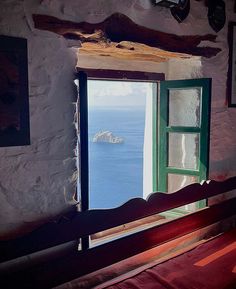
(89, 222)
(121, 74)
(83, 147)
(83, 140)
(77, 264)
(118, 27)
(230, 64)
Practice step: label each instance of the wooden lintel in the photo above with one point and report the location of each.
(118, 27)
(122, 74)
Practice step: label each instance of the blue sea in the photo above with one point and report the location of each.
(116, 170)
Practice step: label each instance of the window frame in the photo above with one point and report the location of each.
(85, 74)
(160, 121)
(82, 76)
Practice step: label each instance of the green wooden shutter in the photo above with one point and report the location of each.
(183, 118)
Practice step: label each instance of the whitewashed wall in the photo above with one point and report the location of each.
(35, 180)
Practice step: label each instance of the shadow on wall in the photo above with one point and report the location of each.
(16, 230)
(220, 170)
(223, 168)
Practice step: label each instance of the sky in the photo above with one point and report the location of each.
(103, 93)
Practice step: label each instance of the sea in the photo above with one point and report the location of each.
(116, 170)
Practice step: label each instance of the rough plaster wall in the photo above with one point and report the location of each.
(34, 180)
(223, 118)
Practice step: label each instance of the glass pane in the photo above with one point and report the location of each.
(184, 107)
(176, 182)
(183, 150)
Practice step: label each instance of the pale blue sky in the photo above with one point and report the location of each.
(103, 93)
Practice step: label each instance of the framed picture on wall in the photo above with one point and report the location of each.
(14, 96)
(231, 85)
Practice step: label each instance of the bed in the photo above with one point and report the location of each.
(60, 251)
(211, 265)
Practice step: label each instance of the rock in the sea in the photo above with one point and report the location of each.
(107, 137)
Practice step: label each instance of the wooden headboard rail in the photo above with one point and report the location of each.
(49, 272)
(82, 224)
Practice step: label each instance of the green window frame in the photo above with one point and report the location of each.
(161, 130)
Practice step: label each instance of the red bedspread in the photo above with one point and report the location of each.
(211, 265)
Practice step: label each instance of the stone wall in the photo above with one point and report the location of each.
(35, 180)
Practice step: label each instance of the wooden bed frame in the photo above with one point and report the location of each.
(49, 255)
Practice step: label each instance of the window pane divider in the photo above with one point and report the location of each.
(179, 171)
(182, 129)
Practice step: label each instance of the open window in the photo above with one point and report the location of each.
(175, 139)
(113, 124)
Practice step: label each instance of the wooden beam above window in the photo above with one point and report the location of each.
(121, 74)
(118, 33)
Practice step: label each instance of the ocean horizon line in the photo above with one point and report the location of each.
(127, 107)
